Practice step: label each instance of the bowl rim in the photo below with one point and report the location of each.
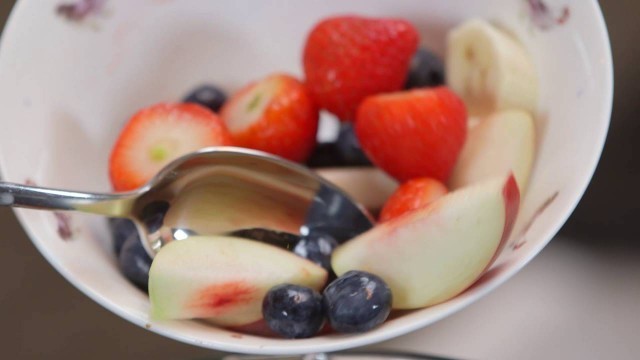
(342, 342)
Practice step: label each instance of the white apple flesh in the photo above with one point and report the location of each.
(497, 145)
(431, 255)
(369, 186)
(223, 279)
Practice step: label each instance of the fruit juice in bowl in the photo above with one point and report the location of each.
(439, 117)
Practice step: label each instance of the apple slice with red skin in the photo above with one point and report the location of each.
(223, 279)
(433, 254)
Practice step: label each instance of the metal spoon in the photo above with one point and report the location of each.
(214, 191)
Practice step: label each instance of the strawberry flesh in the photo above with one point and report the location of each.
(275, 115)
(159, 134)
(413, 195)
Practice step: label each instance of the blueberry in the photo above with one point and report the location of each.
(135, 262)
(334, 214)
(349, 147)
(317, 247)
(121, 229)
(208, 96)
(325, 155)
(357, 301)
(293, 311)
(345, 151)
(152, 214)
(280, 239)
(426, 70)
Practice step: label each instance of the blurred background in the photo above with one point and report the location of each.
(579, 299)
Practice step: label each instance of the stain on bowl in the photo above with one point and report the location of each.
(545, 17)
(80, 9)
(522, 239)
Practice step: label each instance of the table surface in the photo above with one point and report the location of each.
(578, 299)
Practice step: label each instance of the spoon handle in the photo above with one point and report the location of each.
(17, 195)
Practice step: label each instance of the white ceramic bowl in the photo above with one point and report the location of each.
(67, 87)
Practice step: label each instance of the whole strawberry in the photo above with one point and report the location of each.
(414, 133)
(348, 58)
(275, 115)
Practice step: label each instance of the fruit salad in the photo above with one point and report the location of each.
(444, 147)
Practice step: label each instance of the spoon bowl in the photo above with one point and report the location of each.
(214, 191)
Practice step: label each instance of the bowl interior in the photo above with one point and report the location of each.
(64, 97)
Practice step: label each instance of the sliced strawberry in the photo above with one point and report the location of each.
(348, 58)
(415, 133)
(412, 195)
(159, 134)
(275, 115)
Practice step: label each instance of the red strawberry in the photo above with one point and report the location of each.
(415, 133)
(348, 58)
(412, 195)
(158, 134)
(275, 115)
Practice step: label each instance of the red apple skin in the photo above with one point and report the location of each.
(511, 194)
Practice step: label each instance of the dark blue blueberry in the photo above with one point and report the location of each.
(293, 311)
(152, 215)
(349, 147)
(343, 152)
(318, 248)
(334, 214)
(357, 302)
(278, 238)
(135, 262)
(208, 96)
(121, 229)
(325, 155)
(426, 70)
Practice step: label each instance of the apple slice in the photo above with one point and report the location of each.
(223, 279)
(503, 142)
(433, 254)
